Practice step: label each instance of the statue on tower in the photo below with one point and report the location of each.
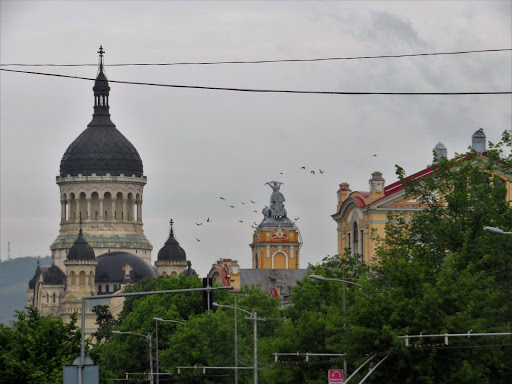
(276, 209)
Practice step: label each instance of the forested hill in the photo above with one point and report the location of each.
(14, 277)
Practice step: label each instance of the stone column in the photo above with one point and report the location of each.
(113, 208)
(101, 208)
(124, 217)
(88, 215)
(62, 211)
(77, 210)
(139, 211)
(70, 208)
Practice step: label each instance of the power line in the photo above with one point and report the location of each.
(266, 90)
(262, 61)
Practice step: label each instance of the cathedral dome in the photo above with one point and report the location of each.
(115, 266)
(54, 276)
(172, 250)
(101, 149)
(80, 249)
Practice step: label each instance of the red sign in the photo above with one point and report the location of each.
(335, 376)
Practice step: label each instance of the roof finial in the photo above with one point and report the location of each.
(172, 227)
(101, 52)
(80, 233)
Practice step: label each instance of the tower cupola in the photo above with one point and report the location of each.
(81, 249)
(101, 88)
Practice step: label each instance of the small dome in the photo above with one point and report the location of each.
(32, 282)
(172, 249)
(80, 249)
(113, 267)
(440, 146)
(54, 276)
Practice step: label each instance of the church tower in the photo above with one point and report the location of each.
(276, 240)
(80, 281)
(101, 182)
(172, 259)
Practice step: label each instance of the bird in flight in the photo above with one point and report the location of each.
(222, 198)
(297, 218)
(240, 221)
(197, 239)
(374, 155)
(253, 202)
(281, 173)
(208, 221)
(302, 167)
(232, 206)
(313, 172)
(321, 171)
(255, 211)
(198, 224)
(243, 203)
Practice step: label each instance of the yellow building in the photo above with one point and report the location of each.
(360, 215)
(276, 241)
(275, 254)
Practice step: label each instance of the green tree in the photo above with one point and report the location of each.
(35, 348)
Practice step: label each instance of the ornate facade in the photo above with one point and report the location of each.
(276, 241)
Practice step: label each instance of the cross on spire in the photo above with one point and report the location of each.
(80, 227)
(101, 52)
(172, 226)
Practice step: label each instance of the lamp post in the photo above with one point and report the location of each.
(148, 338)
(318, 277)
(254, 317)
(497, 231)
(157, 320)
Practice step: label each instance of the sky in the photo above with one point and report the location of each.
(199, 145)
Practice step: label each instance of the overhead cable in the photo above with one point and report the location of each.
(255, 90)
(261, 61)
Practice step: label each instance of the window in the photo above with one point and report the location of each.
(99, 288)
(355, 231)
(107, 288)
(348, 241)
(96, 215)
(362, 242)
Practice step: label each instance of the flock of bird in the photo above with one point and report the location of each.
(231, 205)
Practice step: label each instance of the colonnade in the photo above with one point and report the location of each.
(121, 207)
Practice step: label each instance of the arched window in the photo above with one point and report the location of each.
(47, 298)
(99, 288)
(107, 288)
(82, 277)
(355, 238)
(73, 278)
(91, 278)
(54, 298)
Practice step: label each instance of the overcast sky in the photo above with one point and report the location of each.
(198, 145)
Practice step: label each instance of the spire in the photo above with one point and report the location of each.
(171, 233)
(80, 233)
(101, 88)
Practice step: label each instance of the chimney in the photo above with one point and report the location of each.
(377, 183)
(343, 192)
(439, 152)
(478, 142)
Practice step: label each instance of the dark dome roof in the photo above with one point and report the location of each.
(101, 148)
(54, 276)
(32, 282)
(80, 249)
(172, 250)
(111, 268)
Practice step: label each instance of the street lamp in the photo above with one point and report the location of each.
(148, 338)
(321, 278)
(496, 230)
(158, 319)
(254, 317)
